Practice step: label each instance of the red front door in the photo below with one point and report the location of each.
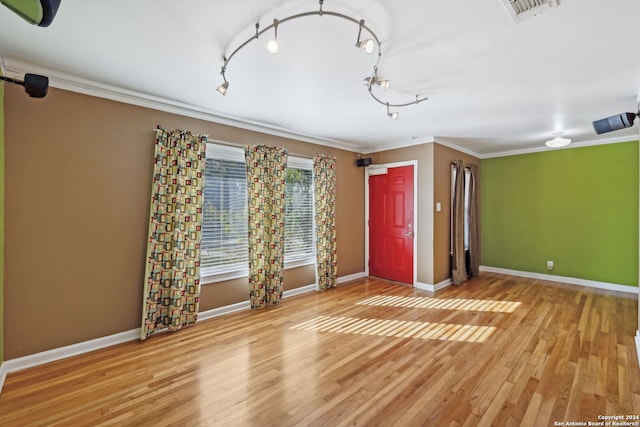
(391, 226)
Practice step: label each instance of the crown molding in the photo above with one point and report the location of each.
(17, 69)
(626, 138)
(72, 83)
(397, 145)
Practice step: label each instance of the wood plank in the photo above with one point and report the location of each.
(498, 350)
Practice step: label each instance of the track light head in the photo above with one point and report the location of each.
(222, 89)
(393, 115)
(272, 45)
(370, 81)
(367, 46)
(617, 122)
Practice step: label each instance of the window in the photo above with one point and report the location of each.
(298, 215)
(224, 253)
(224, 229)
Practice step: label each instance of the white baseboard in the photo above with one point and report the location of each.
(563, 279)
(221, 311)
(434, 288)
(351, 277)
(48, 356)
(245, 305)
(299, 291)
(3, 374)
(25, 362)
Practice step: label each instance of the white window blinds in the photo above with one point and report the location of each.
(224, 231)
(224, 251)
(298, 225)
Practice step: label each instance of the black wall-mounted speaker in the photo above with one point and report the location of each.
(363, 162)
(619, 121)
(36, 85)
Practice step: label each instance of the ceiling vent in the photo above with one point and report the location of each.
(521, 10)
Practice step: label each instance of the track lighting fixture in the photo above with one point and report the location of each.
(393, 115)
(367, 45)
(222, 89)
(557, 141)
(384, 84)
(272, 45)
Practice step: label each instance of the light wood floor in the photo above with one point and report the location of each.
(499, 350)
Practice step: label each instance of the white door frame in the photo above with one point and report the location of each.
(371, 170)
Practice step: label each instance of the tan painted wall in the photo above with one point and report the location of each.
(78, 177)
(443, 156)
(424, 155)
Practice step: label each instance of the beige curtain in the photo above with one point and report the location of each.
(474, 227)
(324, 179)
(172, 274)
(458, 268)
(266, 179)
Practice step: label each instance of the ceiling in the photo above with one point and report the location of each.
(494, 85)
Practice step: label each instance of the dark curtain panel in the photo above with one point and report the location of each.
(458, 268)
(474, 228)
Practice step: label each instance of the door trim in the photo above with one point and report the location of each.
(416, 227)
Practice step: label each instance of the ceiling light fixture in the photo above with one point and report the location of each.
(557, 141)
(272, 45)
(222, 89)
(367, 45)
(384, 84)
(375, 80)
(393, 115)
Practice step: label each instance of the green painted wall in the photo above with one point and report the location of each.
(577, 207)
(1, 222)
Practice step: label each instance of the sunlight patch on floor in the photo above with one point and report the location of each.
(398, 328)
(443, 304)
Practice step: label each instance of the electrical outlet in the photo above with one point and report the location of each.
(549, 265)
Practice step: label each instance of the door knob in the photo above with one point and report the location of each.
(409, 233)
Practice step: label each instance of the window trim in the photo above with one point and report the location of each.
(237, 271)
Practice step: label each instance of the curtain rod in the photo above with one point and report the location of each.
(237, 145)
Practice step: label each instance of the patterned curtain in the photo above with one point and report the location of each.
(266, 175)
(324, 171)
(172, 274)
